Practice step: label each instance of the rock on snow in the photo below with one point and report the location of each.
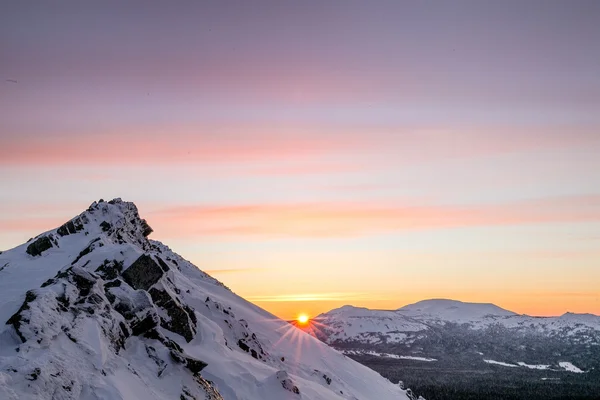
(95, 310)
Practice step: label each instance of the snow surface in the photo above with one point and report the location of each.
(567, 366)
(570, 367)
(387, 355)
(71, 352)
(501, 363)
(534, 366)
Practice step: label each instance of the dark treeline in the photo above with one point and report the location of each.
(444, 381)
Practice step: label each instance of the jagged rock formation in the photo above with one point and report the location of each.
(96, 310)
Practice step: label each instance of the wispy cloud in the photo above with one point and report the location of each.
(330, 219)
(295, 147)
(195, 144)
(330, 296)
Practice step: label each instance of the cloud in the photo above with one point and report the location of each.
(335, 219)
(284, 147)
(329, 296)
(179, 145)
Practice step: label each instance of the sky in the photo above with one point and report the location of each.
(315, 154)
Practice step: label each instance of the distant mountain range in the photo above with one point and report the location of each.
(444, 337)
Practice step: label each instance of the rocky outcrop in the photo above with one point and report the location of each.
(22, 316)
(180, 321)
(38, 246)
(73, 226)
(146, 229)
(143, 273)
(286, 382)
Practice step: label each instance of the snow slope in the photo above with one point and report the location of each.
(95, 310)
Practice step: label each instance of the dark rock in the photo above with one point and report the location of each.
(180, 322)
(243, 345)
(34, 375)
(66, 229)
(153, 334)
(287, 382)
(114, 283)
(111, 297)
(110, 269)
(17, 317)
(191, 313)
(73, 226)
(162, 264)
(254, 353)
(149, 322)
(123, 308)
(146, 230)
(95, 298)
(84, 282)
(143, 273)
(177, 356)
(105, 226)
(63, 303)
(48, 282)
(38, 246)
(171, 344)
(118, 341)
(194, 365)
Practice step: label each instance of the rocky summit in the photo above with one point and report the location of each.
(94, 309)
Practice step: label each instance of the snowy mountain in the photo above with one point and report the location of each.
(469, 349)
(409, 323)
(95, 310)
(452, 310)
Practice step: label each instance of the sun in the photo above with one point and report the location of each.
(303, 319)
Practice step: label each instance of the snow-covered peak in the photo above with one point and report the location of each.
(453, 310)
(95, 310)
(349, 311)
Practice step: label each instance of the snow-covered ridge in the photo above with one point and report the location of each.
(407, 323)
(454, 310)
(95, 310)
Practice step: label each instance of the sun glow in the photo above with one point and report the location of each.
(303, 319)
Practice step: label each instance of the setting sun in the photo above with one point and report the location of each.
(303, 318)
